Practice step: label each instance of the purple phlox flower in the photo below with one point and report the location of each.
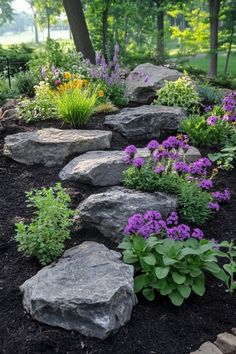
(174, 155)
(43, 72)
(199, 166)
(181, 166)
(197, 233)
(159, 169)
(208, 108)
(57, 82)
(152, 145)
(151, 215)
(130, 150)
(172, 143)
(221, 196)
(229, 102)
(134, 224)
(160, 153)
(146, 78)
(205, 183)
(214, 206)
(98, 58)
(212, 120)
(138, 162)
(180, 232)
(172, 219)
(128, 160)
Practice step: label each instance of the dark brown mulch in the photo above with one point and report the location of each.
(156, 327)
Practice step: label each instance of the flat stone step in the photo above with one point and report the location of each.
(51, 146)
(109, 211)
(226, 342)
(105, 168)
(89, 289)
(145, 122)
(207, 348)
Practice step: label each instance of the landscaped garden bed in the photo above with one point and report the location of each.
(166, 176)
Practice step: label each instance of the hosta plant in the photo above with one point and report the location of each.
(169, 258)
(166, 170)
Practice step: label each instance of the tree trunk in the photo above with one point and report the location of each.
(79, 28)
(36, 32)
(104, 30)
(160, 34)
(229, 51)
(214, 8)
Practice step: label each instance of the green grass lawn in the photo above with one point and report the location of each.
(202, 63)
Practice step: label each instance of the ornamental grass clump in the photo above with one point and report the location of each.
(171, 258)
(166, 170)
(44, 237)
(76, 106)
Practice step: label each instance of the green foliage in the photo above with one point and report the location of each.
(225, 157)
(41, 107)
(172, 268)
(180, 93)
(116, 94)
(76, 106)
(202, 134)
(105, 107)
(18, 56)
(193, 202)
(6, 11)
(25, 82)
(210, 94)
(230, 267)
(44, 238)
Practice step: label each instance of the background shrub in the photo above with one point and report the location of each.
(25, 82)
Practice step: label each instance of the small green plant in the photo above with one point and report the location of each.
(41, 107)
(76, 106)
(180, 93)
(44, 237)
(224, 158)
(210, 94)
(25, 83)
(106, 107)
(170, 258)
(230, 267)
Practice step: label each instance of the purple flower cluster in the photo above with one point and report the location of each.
(200, 166)
(109, 72)
(229, 106)
(221, 196)
(212, 120)
(205, 183)
(153, 223)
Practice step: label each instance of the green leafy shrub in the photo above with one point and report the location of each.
(25, 83)
(210, 94)
(44, 238)
(18, 56)
(171, 259)
(180, 93)
(76, 106)
(41, 107)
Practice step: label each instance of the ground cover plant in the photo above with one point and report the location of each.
(180, 93)
(167, 171)
(45, 236)
(172, 259)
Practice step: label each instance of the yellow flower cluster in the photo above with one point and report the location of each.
(71, 85)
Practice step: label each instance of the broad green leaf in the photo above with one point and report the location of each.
(126, 245)
(129, 257)
(199, 285)
(190, 251)
(176, 298)
(184, 290)
(178, 278)
(140, 282)
(195, 272)
(150, 259)
(212, 267)
(169, 261)
(139, 243)
(161, 272)
(149, 294)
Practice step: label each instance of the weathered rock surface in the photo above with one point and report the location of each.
(51, 146)
(226, 342)
(105, 168)
(143, 82)
(207, 348)
(108, 212)
(89, 289)
(145, 121)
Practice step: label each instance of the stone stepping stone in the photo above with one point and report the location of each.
(207, 348)
(145, 122)
(143, 82)
(105, 168)
(51, 147)
(89, 289)
(109, 211)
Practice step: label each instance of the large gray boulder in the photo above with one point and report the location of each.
(105, 168)
(109, 211)
(51, 146)
(145, 122)
(144, 81)
(89, 289)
